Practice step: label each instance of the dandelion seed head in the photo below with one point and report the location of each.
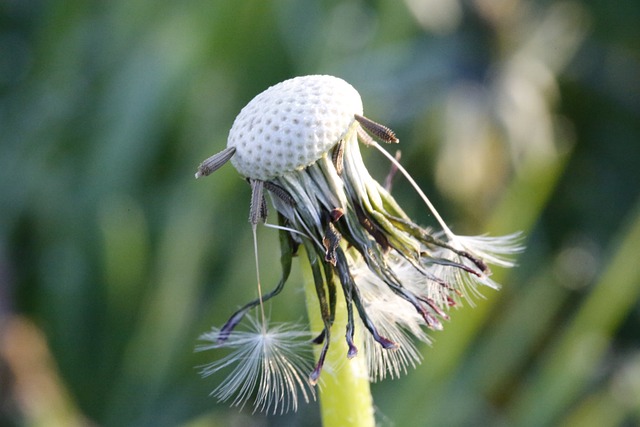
(299, 142)
(291, 125)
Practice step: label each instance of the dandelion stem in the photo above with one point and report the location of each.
(345, 395)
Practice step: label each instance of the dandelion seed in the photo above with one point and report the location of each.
(269, 362)
(398, 279)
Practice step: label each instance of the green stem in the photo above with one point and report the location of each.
(345, 395)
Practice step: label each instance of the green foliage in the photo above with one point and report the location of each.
(113, 259)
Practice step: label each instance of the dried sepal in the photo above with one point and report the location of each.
(326, 310)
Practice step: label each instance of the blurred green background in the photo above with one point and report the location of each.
(512, 115)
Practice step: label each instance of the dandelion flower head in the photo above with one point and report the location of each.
(298, 142)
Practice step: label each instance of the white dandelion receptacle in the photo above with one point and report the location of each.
(298, 141)
(291, 125)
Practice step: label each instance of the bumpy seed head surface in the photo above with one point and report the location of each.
(291, 125)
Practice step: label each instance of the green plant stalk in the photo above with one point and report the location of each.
(344, 389)
(570, 364)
